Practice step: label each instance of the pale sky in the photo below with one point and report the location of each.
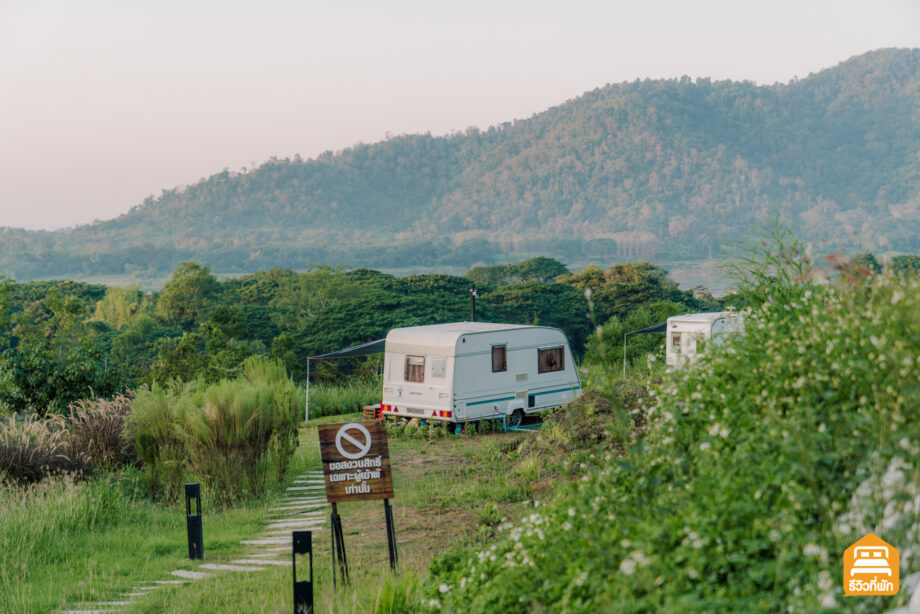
(103, 103)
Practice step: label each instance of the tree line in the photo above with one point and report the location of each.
(62, 341)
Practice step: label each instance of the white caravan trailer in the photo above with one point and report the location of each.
(467, 371)
(685, 332)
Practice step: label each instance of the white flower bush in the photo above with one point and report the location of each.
(760, 465)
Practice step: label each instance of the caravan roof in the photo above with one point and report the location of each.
(702, 318)
(442, 336)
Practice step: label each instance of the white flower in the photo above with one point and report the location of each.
(571, 511)
(443, 588)
(581, 579)
(628, 566)
(705, 446)
(567, 526)
(812, 550)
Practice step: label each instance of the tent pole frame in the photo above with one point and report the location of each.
(624, 355)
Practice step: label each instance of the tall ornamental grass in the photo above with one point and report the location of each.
(761, 464)
(289, 401)
(350, 397)
(229, 426)
(90, 438)
(226, 434)
(34, 449)
(157, 428)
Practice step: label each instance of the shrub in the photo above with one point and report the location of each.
(34, 449)
(96, 430)
(228, 432)
(224, 433)
(156, 429)
(760, 465)
(284, 441)
(337, 399)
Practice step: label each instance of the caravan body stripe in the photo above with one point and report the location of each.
(568, 389)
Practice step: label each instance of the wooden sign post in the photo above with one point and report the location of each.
(356, 467)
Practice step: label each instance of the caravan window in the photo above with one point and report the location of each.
(415, 368)
(675, 342)
(550, 359)
(438, 366)
(499, 358)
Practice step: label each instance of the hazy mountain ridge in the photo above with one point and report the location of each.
(668, 166)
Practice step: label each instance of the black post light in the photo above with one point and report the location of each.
(193, 521)
(303, 589)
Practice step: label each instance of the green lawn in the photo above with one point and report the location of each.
(63, 543)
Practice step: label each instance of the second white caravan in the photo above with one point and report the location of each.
(467, 371)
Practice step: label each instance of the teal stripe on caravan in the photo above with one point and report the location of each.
(491, 401)
(570, 388)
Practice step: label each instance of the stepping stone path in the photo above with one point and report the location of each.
(304, 508)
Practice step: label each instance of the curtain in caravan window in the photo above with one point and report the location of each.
(550, 359)
(415, 368)
(499, 358)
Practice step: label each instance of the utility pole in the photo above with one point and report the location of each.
(473, 295)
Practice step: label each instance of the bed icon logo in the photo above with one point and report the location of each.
(871, 566)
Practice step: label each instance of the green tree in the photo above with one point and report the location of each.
(299, 298)
(42, 378)
(6, 289)
(605, 346)
(188, 296)
(540, 268)
(532, 302)
(906, 265)
(625, 287)
(120, 305)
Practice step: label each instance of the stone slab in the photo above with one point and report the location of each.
(267, 541)
(306, 522)
(190, 575)
(261, 562)
(224, 567)
(263, 555)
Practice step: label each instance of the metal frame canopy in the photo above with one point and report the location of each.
(364, 349)
(655, 328)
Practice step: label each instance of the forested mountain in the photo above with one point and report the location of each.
(651, 169)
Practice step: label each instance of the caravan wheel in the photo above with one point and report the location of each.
(516, 418)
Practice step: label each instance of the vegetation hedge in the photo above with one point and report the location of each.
(226, 434)
(760, 465)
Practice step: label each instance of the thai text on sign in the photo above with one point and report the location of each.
(356, 461)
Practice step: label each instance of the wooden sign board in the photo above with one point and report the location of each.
(356, 461)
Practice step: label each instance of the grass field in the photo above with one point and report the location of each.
(64, 543)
